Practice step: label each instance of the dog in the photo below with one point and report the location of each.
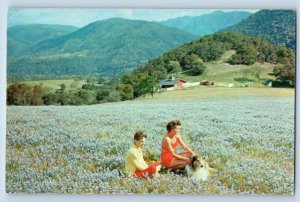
(199, 168)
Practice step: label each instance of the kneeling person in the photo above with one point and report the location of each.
(135, 164)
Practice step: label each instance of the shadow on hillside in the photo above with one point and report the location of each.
(243, 80)
(189, 73)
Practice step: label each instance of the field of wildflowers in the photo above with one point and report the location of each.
(81, 149)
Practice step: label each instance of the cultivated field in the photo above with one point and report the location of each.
(246, 134)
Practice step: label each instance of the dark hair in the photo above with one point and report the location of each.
(177, 122)
(172, 124)
(139, 135)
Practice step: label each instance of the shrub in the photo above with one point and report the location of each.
(198, 67)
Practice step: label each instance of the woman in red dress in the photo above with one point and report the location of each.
(170, 141)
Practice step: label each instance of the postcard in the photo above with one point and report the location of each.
(150, 101)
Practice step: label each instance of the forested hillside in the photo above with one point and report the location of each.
(192, 58)
(105, 47)
(22, 37)
(275, 26)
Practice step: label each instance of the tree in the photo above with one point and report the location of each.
(187, 61)
(51, 98)
(126, 91)
(234, 59)
(267, 53)
(18, 94)
(37, 95)
(15, 94)
(88, 96)
(209, 50)
(23, 94)
(285, 55)
(148, 85)
(248, 55)
(198, 67)
(102, 94)
(159, 72)
(285, 73)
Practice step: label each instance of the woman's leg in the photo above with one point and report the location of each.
(177, 164)
(186, 154)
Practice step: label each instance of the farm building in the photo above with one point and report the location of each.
(171, 83)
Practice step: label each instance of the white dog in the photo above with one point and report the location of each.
(199, 169)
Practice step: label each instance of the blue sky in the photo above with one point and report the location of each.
(81, 17)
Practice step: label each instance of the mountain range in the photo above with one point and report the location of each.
(114, 46)
(208, 23)
(105, 47)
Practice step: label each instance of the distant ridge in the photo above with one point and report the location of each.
(106, 47)
(21, 37)
(208, 23)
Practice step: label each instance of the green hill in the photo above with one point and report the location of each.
(276, 26)
(22, 37)
(208, 23)
(223, 58)
(236, 48)
(107, 47)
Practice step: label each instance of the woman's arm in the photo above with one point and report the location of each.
(168, 141)
(184, 146)
(138, 161)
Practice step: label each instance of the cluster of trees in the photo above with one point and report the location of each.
(23, 94)
(136, 84)
(286, 71)
(89, 93)
(244, 55)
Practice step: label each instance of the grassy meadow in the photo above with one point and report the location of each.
(247, 134)
(223, 73)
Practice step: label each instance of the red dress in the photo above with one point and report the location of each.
(166, 155)
(148, 172)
